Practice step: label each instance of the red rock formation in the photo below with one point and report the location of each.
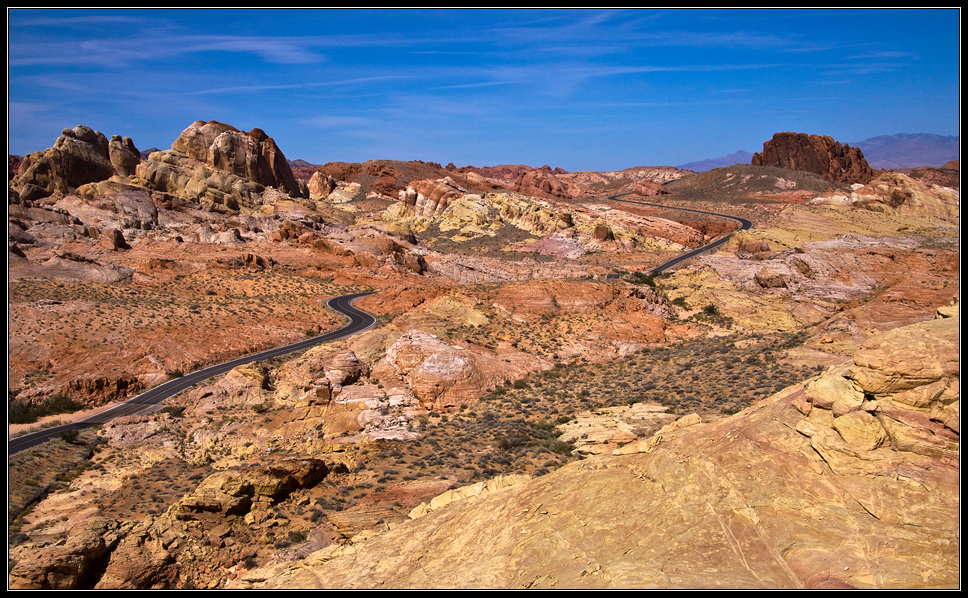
(541, 183)
(13, 165)
(649, 188)
(817, 154)
(390, 177)
(507, 171)
(100, 390)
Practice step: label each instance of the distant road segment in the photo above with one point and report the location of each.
(743, 222)
(359, 321)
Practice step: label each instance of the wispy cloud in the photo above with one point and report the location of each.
(74, 21)
(339, 122)
(426, 81)
(236, 89)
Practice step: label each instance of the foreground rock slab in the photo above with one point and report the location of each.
(848, 481)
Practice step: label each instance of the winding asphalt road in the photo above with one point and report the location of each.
(744, 225)
(359, 321)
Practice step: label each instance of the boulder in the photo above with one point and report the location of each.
(233, 492)
(321, 185)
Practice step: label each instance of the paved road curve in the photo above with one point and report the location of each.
(359, 321)
(744, 225)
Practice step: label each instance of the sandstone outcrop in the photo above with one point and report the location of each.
(100, 390)
(849, 482)
(69, 565)
(897, 193)
(388, 178)
(220, 167)
(79, 156)
(563, 230)
(442, 375)
(321, 185)
(817, 154)
(240, 491)
(253, 155)
(107, 205)
(430, 198)
(149, 554)
(67, 265)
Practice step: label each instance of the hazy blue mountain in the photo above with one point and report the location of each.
(301, 164)
(739, 157)
(909, 150)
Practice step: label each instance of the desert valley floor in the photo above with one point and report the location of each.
(535, 407)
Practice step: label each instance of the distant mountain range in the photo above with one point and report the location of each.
(903, 150)
(909, 150)
(739, 157)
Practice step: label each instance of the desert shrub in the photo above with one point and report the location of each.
(543, 425)
(174, 411)
(70, 436)
(558, 446)
(642, 278)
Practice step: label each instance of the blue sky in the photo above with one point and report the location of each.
(580, 89)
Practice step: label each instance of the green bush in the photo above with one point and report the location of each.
(70, 436)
